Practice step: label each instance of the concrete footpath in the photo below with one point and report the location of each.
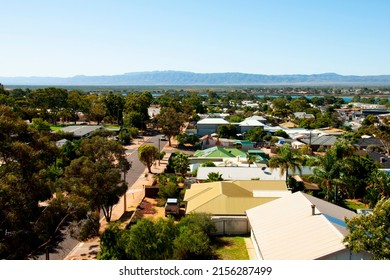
(123, 209)
(127, 205)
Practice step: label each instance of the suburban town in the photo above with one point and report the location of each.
(195, 174)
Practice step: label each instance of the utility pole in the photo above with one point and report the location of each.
(159, 151)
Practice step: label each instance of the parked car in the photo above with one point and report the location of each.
(163, 138)
(172, 207)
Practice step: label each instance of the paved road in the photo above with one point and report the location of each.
(134, 173)
(137, 167)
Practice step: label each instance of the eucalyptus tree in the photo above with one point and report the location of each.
(148, 154)
(136, 109)
(75, 104)
(33, 210)
(170, 122)
(95, 108)
(114, 104)
(96, 175)
(50, 101)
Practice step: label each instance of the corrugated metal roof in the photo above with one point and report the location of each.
(241, 173)
(250, 122)
(228, 197)
(258, 118)
(81, 130)
(325, 140)
(285, 229)
(213, 152)
(213, 121)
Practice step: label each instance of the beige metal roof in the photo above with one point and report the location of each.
(285, 228)
(229, 197)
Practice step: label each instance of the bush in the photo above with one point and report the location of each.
(162, 154)
(208, 164)
(171, 189)
(267, 137)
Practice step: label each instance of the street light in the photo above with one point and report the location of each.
(159, 151)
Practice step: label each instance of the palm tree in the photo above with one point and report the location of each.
(214, 177)
(250, 159)
(326, 174)
(343, 148)
(287, 158)
(181, 163)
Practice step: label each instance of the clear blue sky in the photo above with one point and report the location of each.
(64, 38)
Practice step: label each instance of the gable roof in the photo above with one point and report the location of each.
(303, 115)
(286, 229)
(257, 118)
(236, 152)
(215, 152)
(288, 124)
(232, 197)
(382, 159)
(61, 142)
(81, 130)
(251, 122)
(365, 142)
(213, 121)
(240, 173)
(323, 140)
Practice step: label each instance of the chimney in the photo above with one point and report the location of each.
(313, 209)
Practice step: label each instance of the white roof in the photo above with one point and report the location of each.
(241, 173)
(249, 122)
(286, 229)
(257, 118)
(172, 200)
(213, 121)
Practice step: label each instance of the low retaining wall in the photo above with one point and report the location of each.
(231, 225)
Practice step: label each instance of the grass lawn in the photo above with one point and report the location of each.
(112, 126)
(230, 248)
(56, 127)
(355, 204)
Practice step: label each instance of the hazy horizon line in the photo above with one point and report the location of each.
(192, 72)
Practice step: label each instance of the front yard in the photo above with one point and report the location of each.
(230, 248)
(223, 247)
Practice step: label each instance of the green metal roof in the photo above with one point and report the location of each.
(213, 152)
(236, 152)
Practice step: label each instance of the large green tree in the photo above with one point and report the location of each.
(148, 154)
(99, 182)
(96, 175)
(160, 240)
(114, 104)
(75, 104)
(370, 233)
(136, 109)
(227, 131)
(50, 101)
(170, 122)
(33, 214)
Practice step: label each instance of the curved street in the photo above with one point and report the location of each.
(69, 245)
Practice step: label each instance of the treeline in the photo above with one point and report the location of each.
(45, 189)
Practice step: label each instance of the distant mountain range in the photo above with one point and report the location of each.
(178, 78)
